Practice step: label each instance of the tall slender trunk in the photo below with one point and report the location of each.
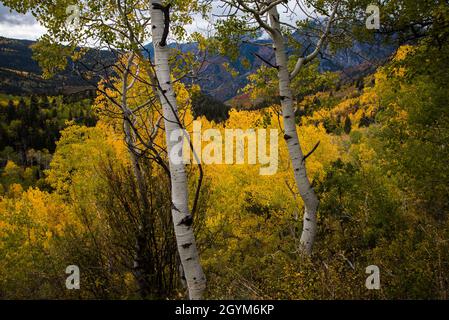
(143, 259)
(182, 219)
(291, 137)
(144, 233)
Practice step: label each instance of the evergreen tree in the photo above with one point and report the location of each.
(348, 125)
(11, 112)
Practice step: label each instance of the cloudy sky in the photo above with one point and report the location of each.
(19, 26)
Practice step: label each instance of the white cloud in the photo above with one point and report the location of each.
(25, 26)
(24, 32)
(19, 26)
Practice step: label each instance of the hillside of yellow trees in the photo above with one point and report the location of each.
(380, 172)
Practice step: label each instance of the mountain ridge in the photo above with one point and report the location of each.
(21, 75)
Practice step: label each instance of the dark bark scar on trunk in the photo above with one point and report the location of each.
(166, 11)
(187, 221)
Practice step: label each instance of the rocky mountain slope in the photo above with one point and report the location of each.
(21, 75)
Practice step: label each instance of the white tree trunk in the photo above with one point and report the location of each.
(182, 219)
(291, 137)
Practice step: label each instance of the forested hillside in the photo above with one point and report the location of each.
(337, 169)
(20, 74)
(29, 130)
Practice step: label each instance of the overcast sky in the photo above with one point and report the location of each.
(19, 26)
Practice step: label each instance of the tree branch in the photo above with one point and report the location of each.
(304, 60)
(266, 61)
(311, 152)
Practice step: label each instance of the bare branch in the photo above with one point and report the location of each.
(304, 60)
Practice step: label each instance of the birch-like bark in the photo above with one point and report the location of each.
(182, 219)
(291, 137)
